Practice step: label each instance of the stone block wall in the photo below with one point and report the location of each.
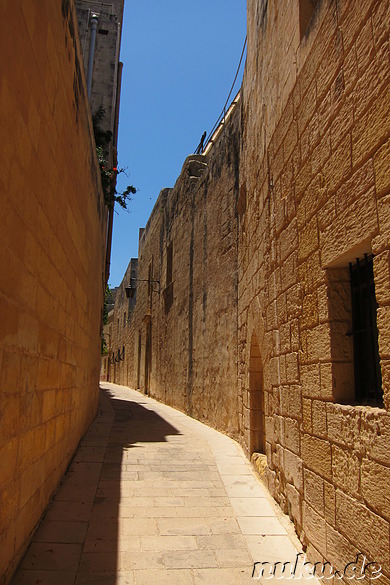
(268, 356)
(314, 196)
(52, 242)
(180, 337)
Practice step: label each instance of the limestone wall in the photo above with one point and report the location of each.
(314, 196)
(52, 241)
(269, 357)
(180, 338)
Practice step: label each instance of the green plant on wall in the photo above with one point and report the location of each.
(109, 174)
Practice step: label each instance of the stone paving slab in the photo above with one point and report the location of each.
(154, 496)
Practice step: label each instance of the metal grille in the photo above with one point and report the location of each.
(368, 379)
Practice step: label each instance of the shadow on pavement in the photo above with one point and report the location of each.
(81, 540)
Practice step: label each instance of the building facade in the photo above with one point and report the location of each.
(272, 318)
(100, 31)
(173, 342)
(314, 285)
(53, 246)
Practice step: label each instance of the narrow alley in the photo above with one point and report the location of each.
(153, 496)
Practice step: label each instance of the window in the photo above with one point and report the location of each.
(367, 372)
(355, 364)
(306, 12)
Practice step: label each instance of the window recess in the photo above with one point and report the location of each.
(367, 371)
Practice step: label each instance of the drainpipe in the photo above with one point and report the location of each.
(94, 23)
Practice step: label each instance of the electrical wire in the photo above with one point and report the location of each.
(223, 113)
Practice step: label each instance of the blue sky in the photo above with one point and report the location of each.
(180, 58)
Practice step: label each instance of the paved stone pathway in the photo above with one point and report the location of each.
(153, 496)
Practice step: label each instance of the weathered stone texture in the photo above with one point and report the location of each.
(52, 243)
(314, 172)
(186, 323)
(266, 354)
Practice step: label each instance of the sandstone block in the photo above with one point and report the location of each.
(316, 454)
(346, 470)
(383, 322)
(314, 491)
(375, 482)
(385, 369)
(350, 69)
(327, 213)
(382, 277)
(310, 310)
(339, 550)
(294, 334)
(314, 526)
(311, 273)
(292, 372)
(303, 179)
(291, 435)
(350, 229)
(382, 241)
(288, 241)
(308, 239)
(380, 19)
(282, 308)
(326, 381)
(318, 344)
(307, 107)
(320, 155)
(294, 301)
(310, 380)
(371, 129)
(295, 402)
(373, 540)
(284, 338)
(8, 457)
(290, 140)
(330, 503)
(294, 503)
(319, 418)
(293, 469)
(343, 423)
(343, 122)
(338, 166)
(307, 420)
(351, 22)
(360, 182)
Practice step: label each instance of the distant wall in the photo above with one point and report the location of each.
(52, 241)
(180, 343)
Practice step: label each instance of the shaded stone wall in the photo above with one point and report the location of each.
(314, 196)
(180, 337)
(52, 244)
